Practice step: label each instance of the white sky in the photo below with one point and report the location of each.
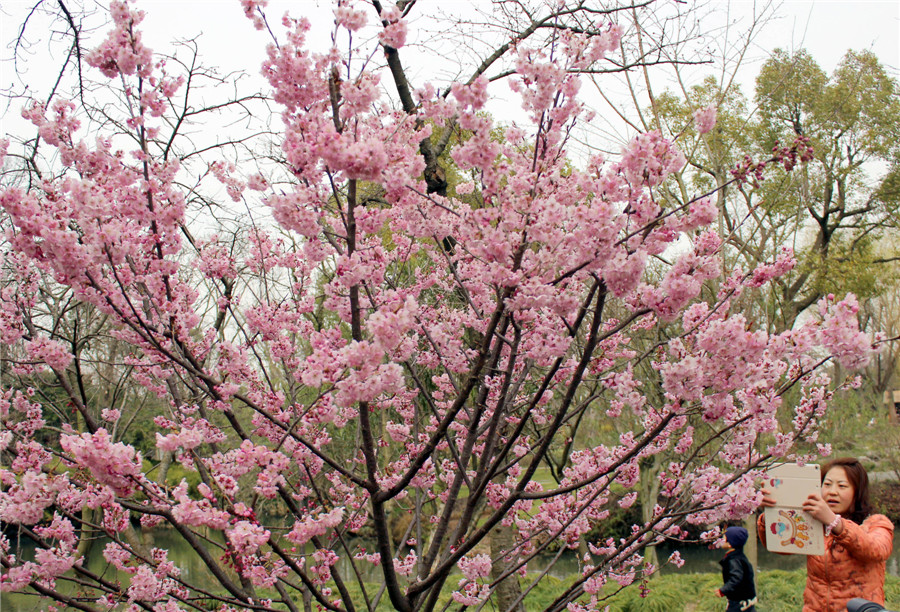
(825, 28)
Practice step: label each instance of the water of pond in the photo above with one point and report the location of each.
(697, 560)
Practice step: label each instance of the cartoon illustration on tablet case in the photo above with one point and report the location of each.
(792, 527)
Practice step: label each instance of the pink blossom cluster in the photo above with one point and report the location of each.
(840, 331)
(324, 560)
(407, 565)
(472, 594)
(198, 512)
(705, 119)
(394, 32)
(246, 538)
(783, 264)
(186, 438)
(252, 9)
(649, 159)
(28, 496)
(50, 562)
(799, 151)
(115, 465)
(475, 567)
(304, 531)
(147, 586)
(347, 17)
(49, 352)
(122, 52)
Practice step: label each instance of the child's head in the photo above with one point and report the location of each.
(736, 537)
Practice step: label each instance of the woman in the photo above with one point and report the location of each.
(857, 543)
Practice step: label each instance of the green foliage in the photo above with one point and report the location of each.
(781, 591)
(835, 210)
(852, 423)
(788, 90)
(778, 591)
(892, 592)
(666, 593)
(861, 94)
(889, 189)
(725, 144)
(886, 499)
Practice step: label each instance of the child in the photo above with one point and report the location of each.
(737, 573)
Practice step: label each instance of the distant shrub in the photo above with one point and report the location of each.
(886, 499)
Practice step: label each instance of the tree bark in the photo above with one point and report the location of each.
(649, 493)
(507, 592)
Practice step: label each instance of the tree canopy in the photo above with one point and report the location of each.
(834, 211)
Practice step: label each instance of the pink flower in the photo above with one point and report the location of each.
(17, 578)
(257, 182)
(783, 264)
(25, 501)
(145, 585)
(352, 20)
(304, 531)
(649, 159)
(841, 335)
(110, 415)
(623, 272)
(187, 439)
(465, 188)
(475, 567)
(252, 9)
(473, 95)
(394, 33)
(60, 529)
(705, 118)
(247, 537)
(407, 565)
(122, 52)
(115, 465)
(362, 160)
(472, 594)
(117, 555)
(50, 352)
(397, 431)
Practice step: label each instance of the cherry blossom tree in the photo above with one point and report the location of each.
(385, 344)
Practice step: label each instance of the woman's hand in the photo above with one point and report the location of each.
(767, 501)
(819, 509)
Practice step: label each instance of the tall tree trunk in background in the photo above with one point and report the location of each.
(751, 548)
(649, 493)
(87, 535)
(508, 591)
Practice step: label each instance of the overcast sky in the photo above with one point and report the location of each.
(826, 28)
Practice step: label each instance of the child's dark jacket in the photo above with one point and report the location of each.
(737, 574)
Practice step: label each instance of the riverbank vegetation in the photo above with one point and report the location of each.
(779, 591)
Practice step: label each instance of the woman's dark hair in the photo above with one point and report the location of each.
(859, 479)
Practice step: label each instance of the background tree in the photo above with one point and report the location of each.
(352, 359)
(851, 119)
(833, 212)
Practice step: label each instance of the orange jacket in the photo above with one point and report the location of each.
(852, 566)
